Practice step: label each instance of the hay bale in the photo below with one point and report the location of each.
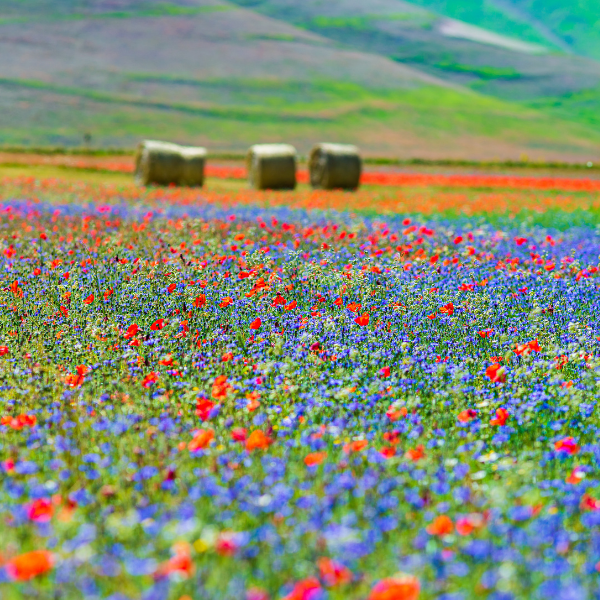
(162, 163)
(272, 166)
(335, 166)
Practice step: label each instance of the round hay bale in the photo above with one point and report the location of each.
(163, 163)
(335, 166)
(272, 166)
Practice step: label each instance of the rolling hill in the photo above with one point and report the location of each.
(397, 78)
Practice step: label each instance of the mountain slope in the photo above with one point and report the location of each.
(215, 73)
(568, 25)
(454, 51)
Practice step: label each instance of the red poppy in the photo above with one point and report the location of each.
(150, 379)
(355, 446)
(171, 288)
(501, 417)
(200, 301)
(225, 302)
(29, 565)
(447, 309)
(567, 445)
(256, 323)
(441, 525)
(4, 350)
(239, 434)
(314, 458)
(220, 387)
(203, 408)
(467, 415)
(399, 587)
(258, 440)
(131, 331)
(415, 454)
(307, 589)
(333, 573)
(157, 325)
(201, 439)
(363, 320)
(89, 299)
(40, 510)
(496, 373)
(181, 563)
(393, 413)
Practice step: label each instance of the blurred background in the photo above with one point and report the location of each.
(455, 79)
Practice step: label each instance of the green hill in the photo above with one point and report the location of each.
(394, 77)
(567, 25)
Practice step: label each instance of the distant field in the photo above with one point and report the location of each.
(558, 199)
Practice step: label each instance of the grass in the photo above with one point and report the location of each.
(436, 121)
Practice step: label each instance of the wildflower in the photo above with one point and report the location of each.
(181, 563)
(447, 309)
(576, 476)
(157, 325)
(466, 525)
(567, 445)
(225, 544)
(441, 525)
(258, 440)
(201, 440)
(255, 593)
(363, 320)
(239, 434)
(415, 454)
(467, 415)
(29, 565)
(89, 299)
(393, 413)
(220, 388)
(355, 446)
(333, 573)
(226, 302)
(388, 452)
(4, 350)
(399, 587)
(256, 323)
(501, 417)
(200, 301)
(203, 408)
(150, 379)
(314, 458)
(496, 373)
(589, 503)
(171, 288)
(77, 378)
(385, 372)
(40, 510)
(307, 589)
(527, 348)
(131, 331)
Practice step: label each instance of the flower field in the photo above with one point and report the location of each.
(225, 394)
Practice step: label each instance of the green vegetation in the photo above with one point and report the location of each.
(161, 9)
(435, 117)
(561, 24)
